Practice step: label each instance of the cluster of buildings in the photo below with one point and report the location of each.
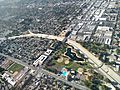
(89, 20)
(106, 26)
(42, 58)
(98, 25)
(75, 75)
(103, 35)
(25, 49)
(45, 82)
(39, 17)
(12, 77)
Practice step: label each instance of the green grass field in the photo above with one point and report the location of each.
(15, 67)
(72, 65)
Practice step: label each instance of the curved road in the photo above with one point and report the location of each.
(106, 70)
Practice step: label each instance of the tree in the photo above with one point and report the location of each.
(94, 87)
(118, 51)
(1, 70)
(104, 87)
(88, 83)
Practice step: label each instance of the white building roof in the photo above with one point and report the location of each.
(103, 28)
(9, 79)
(48, 52)
(40, 60)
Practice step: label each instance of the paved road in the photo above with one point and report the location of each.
(38, 35)
(40, 70)
(65, 81)
(18, 61)
(107, 71)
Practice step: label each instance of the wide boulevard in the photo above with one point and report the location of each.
(104, 69)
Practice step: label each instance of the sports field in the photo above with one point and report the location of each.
(15, 67)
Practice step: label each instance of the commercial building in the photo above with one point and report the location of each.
(103, 35)
(40, 60)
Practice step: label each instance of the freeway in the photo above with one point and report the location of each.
(37, 35)
(40, 70)
(106, 70)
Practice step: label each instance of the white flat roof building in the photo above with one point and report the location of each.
(48, 52)
(98, 14)
(40, 60)
(112, 5)
(9, 79)
(102, 19)
(103, 35)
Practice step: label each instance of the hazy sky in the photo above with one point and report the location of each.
(1, 0)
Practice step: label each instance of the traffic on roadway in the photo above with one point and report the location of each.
(104, 69)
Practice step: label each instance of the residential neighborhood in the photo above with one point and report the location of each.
(59, 44)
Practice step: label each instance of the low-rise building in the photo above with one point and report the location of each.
(48, 52)
(9, 79)
(14, 78)
(103, 35)
(40, 60)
